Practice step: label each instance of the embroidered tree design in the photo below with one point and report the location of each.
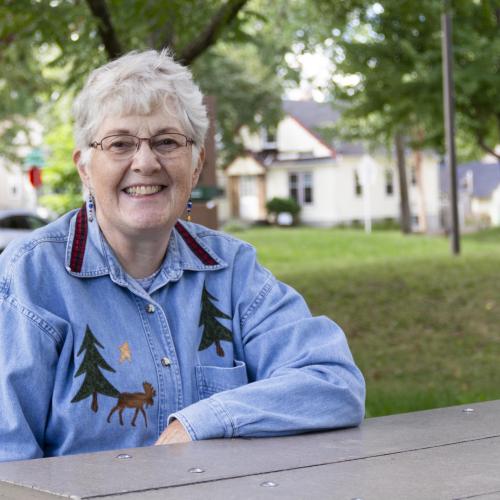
(213, 331)
(94, 381)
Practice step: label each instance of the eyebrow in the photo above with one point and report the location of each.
(164, 130)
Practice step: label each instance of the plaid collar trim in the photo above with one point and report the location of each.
(79, 240)
(193, 254)
(86, 255)
(195, 247)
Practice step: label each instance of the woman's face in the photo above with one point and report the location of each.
(144, 193)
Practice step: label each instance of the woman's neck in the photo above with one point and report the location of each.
(139, 255)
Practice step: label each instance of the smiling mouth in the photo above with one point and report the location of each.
(143, 190)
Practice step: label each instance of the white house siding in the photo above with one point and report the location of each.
(294, 138)
(495, 207)
(277, 183)
(485, 211)
(15, 188)
(430, 181)
(381, 204)
(319, 212)
(334, 197)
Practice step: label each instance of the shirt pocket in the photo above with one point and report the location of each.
(213, 379)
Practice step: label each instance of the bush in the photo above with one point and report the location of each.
(388, 224)
(276, 206)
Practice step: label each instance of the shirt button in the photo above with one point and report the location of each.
(165, 361)
(150, 308)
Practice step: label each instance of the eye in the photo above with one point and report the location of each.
(163, 143)
(119, 144)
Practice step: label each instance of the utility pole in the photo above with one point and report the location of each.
(449, 123)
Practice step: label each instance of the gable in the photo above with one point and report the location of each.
(293, 137)
(245, 165)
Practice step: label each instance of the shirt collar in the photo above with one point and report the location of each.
(88, 255)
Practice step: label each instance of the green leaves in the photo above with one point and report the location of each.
(398, 60)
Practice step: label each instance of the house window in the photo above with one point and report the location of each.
(300, 187)
(268, 136)
(389, 182)
(358, 189)
(248, 185)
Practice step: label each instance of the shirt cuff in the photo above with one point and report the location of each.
(206, 419)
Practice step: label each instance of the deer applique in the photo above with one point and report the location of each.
(137, 400)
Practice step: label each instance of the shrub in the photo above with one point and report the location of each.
(276, 206)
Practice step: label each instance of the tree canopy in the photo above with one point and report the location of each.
(389, 74)
(386, 55)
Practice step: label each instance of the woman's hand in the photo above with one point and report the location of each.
(174, 433)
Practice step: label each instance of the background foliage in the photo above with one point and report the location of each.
(386, 64)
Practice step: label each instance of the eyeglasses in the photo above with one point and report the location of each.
(125, 146)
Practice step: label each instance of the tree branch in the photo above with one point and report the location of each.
(482, 144)
(212, 31)
(105, 26)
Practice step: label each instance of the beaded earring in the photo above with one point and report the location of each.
(91, 205)
(189, 209)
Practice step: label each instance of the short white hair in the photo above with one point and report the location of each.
(139, 83)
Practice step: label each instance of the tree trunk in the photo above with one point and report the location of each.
(422, 212)
(94, 405)
(403, 184)
(218, 349)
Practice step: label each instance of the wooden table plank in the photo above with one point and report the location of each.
(456, 471)
(88, 475)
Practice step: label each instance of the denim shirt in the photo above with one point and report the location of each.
(91, 361)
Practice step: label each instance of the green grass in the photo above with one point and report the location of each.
(423, 326)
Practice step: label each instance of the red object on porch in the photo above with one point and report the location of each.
(35, 175)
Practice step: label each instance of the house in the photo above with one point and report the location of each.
(334, 182)
(478, 194)
(16, 190)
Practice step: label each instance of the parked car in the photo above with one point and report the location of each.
(15, 223)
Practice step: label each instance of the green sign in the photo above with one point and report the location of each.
(206, 193)
(34, 159)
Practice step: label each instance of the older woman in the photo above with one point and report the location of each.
(122, 326)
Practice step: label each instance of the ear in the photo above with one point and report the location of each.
(82, 169)
(199, 168)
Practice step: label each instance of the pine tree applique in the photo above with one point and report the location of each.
(213, 331)
(94, 382)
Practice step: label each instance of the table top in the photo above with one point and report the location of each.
(444, 453)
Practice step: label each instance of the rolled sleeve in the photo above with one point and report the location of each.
(206, 419)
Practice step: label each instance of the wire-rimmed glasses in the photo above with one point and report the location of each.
(125, 146)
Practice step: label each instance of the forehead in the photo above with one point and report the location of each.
(140, 124)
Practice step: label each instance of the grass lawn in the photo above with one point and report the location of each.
(423, 326)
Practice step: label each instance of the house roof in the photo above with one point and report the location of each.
(484, 177)
(316, 115)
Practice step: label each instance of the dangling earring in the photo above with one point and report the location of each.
(91, 205)
(189, 209)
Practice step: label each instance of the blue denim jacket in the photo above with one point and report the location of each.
(90, 361)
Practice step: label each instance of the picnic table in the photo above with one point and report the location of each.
(449, 453)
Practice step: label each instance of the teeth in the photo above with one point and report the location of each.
(142, 190)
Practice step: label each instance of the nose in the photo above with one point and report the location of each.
(144, 160)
